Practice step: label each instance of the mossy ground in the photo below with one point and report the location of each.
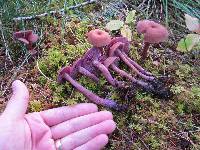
(148, 123)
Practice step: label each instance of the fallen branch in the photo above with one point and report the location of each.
(61, 11)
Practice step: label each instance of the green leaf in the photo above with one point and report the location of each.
(186, 44)
(130, 17)
(114, 25)
(126, 32)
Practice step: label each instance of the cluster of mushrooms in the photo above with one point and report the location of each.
(105, 56)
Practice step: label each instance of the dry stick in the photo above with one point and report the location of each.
(61, 11)
(43, 73)
(124, 59)
(5, 43)
(14, 75)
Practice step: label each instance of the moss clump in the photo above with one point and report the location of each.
(35, 106)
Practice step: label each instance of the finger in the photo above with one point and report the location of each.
(76, 124)
(81, 137)
(17, 105)
(96, 143)
(58, 115)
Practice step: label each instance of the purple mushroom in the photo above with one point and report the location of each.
(65, 73)
(153, 33)
(120, 47)
(28, 38)
(90, 65)
(104, 55)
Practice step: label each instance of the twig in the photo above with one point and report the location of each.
(5, 43)
(144, 144)
(15, 74)
(43, 73)
(61, 11)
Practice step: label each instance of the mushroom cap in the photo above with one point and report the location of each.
(33, 37)
(74, 69)
(26, 36)
(123, 40)
(91, 55)
(98, 38)
(153, 32)
(61, 72)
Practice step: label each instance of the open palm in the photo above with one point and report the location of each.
(79, 127)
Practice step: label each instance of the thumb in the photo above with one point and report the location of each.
(17, 105)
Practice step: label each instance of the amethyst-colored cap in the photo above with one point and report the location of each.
(98, 38)
(26, 36)
(153, 32)
(61, 72)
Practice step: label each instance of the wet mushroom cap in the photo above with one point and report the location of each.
(98, 38)
(153, 32)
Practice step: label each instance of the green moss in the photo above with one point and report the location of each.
(154, 142)
(184, 71)
(35, 106)
(42, 80)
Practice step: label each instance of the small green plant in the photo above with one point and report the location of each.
(177, 89)
(191, 40)
(124, 27)
(184, 71)
(35, 106)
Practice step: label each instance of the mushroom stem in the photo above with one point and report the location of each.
(145, 50)
(105, 72)
(91, 96)
(126, 75)
(88, 74)
(126, 61)
(136, 65)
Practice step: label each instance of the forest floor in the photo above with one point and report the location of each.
(149, 123)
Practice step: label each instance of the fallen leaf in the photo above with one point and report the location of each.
(114, 25)
(192, 23)
(186, 44)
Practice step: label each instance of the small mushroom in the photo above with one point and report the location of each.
(126, 48)
(28, 38)
(153, 33)
(99, 39)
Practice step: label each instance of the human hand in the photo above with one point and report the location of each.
(78, 127)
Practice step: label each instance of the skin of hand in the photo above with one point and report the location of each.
(78, 127)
